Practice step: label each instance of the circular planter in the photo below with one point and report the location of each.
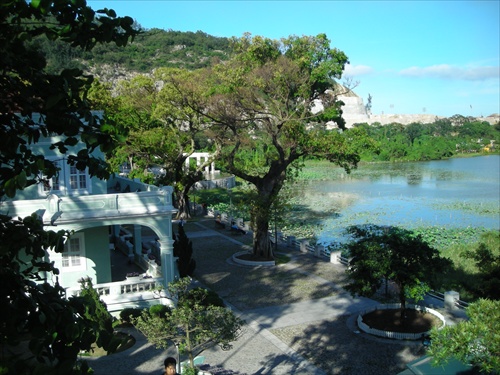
(397, 335)
(266, 263)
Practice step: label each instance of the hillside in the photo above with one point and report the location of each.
(152, 49)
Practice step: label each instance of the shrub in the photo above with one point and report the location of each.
(183, 249)
(130, 313)
(96, 310)
(159, 310)
(204, 297)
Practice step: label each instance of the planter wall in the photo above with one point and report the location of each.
(397, 335)
(250, 262)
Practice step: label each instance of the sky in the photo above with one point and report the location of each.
(411, 57)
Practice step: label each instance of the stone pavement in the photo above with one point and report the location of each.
(257, 351)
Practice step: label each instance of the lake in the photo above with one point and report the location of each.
(459, 192)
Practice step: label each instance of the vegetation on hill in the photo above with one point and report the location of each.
(151, 49)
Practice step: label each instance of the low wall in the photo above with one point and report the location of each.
(251, 262)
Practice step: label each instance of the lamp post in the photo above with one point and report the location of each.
(178, 369)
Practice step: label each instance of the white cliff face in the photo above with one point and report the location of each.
(354, 110)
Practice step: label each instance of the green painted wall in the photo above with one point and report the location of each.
(98, 260)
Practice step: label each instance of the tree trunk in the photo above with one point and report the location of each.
(261, 245)
(402, 300)
(182, 205)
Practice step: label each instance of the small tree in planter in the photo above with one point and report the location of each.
(390, 253)
(194, 325)
(183, 249)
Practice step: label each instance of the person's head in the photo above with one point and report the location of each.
(170, 366)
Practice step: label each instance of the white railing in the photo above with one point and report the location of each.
(71, 208)
(128, 293)
(438, 295)
(120, 288)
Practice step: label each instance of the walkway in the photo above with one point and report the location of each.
(258, 350)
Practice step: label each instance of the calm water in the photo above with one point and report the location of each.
(452, 193)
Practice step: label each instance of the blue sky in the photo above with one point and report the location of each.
(434, 57)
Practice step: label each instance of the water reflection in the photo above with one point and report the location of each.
(455, 192)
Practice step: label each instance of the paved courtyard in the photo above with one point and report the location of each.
(291, 329)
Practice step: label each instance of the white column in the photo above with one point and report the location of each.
(334, 257)
(168, 264)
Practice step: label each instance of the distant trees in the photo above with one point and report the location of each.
(151, 49)
(440, 139)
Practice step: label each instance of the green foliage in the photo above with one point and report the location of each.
(194, 324)
(159, 310)
(157, 48)
(434, 141)
(37, 104)
(381, 253)
(188, 370)
(96, 311)
(260, 106)
(128, 314)
(487, 260)
(150, 50)
(162, 131)
(475, 341)
(204, 297)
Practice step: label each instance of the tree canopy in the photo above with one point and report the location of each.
(37, 319)
(381, 253)
(262, 106)
(162, 132)
(475, 341)
(195, 324)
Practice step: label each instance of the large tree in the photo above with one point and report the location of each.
(273, 100)
(37, 320)
(382, 253)
(161, 132)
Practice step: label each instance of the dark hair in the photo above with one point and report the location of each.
(169, 361)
